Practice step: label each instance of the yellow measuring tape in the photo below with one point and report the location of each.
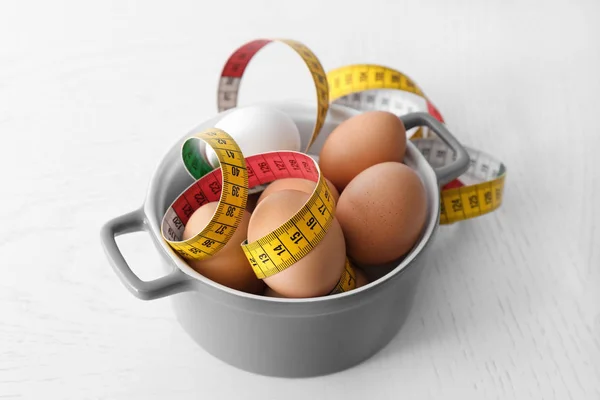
(348, 280)
(364, 87)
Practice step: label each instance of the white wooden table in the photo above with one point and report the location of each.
(92, 94)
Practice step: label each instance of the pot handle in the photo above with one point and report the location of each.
(174, 282)
(460, 165)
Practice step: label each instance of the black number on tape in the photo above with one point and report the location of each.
(279, 249)
(456, 205)
(187, 210)
(181, 252)
(264, 167)
(215, 187)
(296, 237)
(280, 165)
(177, 222)
(488, 198)
(473, 201)
(200, 198)
(235, 171)
(230, 211)
(307, 167)
(312, 222)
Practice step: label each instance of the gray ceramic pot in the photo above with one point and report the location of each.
(271, 336)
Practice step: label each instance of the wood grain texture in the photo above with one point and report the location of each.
(92, 94)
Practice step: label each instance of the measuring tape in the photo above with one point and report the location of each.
(231, 77)
(275, 251)
(478, 191)
(348, 280)
(228, 185)
(363, 87)
(296, 237)
(279, 249)
(368, 87)
(229, 86)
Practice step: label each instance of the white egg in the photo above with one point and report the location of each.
(258, 129)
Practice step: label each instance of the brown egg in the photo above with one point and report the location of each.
(271, 293)
(302, 185)
(382, 213)
(360, 142)
(229, 266)
(315, 274)
(252, 201)
(361, 278)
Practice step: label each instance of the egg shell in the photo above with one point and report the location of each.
(300, 184)
(258, 129)
(360, 142)
(361, 278)
(271, 293)
(252, 202)
(229, 266)
(382, 212)
(315, 274)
